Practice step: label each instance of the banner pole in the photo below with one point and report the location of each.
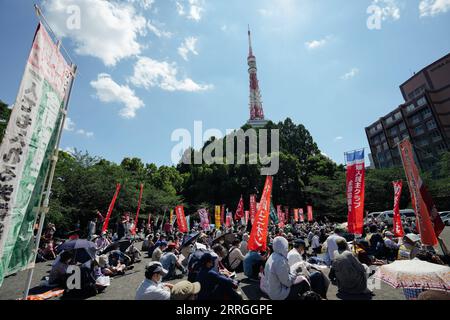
(45, 204)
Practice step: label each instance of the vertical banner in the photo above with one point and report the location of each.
(110, 209)
(149, 220)
(355, 191)
(217, 217)
(228, 220)
(286, 213)
(258, 235)
(188, 223)
(222, 215)
(240, 209)
(310, 213)
(247, 214)
(26, 151)
(273, 214)
(295, 215)
(397, 221)
(171, 217)
(204, 221)
(252, 208)
(280, 217)
(302, 216)
(427, 221)
(138, 209)
(181, 219)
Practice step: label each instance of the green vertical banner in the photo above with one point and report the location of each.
(273, 214)
(26, 150)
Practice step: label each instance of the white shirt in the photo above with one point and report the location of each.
(150, 290)
(235, 257)
(331, 245)
(315, 242)
(243, 247)
(294, 257)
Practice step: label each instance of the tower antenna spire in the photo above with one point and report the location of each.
(250, 50)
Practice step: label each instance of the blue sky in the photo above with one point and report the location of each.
(148, 67)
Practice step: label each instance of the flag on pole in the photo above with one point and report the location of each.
(302, 216)
(397, 221)
(222, 215)
(30, 140)
(204, 220)
(310, 213)
(133, 231)
(296, 215)
(280, 217)
(181, 219)
(228, 220)
(273, 214)
(240, 209)
(247, 214)
(428, 220)
(355, 191)
(171, 217)
(188, 222)
(110, 209)
(258, 235)
(217, 217)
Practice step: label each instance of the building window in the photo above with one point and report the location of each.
(436, 136)
(402, 126)
(441, 147)
(421, 102)
(379, 148)
(426, 113)
(393, 131)
(431, 124)
(405, 135)
(410, 108)
(415, 119)
(396, 140)
(385, 146)
(376, 139)
(422, 142)
(419, 130)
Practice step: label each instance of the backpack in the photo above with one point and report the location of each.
(194, 265)
(226, 261)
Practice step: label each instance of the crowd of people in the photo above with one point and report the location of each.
(300, 262)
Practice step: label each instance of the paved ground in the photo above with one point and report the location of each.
(124, 287)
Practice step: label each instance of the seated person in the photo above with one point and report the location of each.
(235, 256)
(295, 255)
(253, 262)
(157, 253)
(347, 272)
(170, 262)
(185, 290)
(215, 286)
(220, 253)
(58, 274)
(107, 269)
(152, 287)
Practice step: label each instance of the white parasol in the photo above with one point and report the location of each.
(415, 274)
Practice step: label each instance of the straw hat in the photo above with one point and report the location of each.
(184, 289)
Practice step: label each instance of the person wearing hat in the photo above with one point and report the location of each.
(295, 255)
(332, 244)
(169, 261)
(409, 247)
(152, 287)
(215, 286)
(185, 290)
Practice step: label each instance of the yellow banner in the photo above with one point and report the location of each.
(217, 217)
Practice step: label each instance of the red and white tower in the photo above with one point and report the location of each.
(256, 108)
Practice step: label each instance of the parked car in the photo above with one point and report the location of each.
(445, 216)
(386, 217)
(408, 213)
(372, 216)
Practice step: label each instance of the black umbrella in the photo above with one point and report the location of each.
(122, 245)
(84, 249)
(190, 239)
(227, 238)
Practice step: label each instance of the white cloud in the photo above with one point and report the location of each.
(155, 28)
(430, 8)
(108, 30)
(390, 9)
(70, 150)
(88, 134)
(338, 138)
(69, 125)
(187, 46)
(351, 74)
(145, 4)
(265, 12)
(109, 91)
(151, 73)
(315, 44)
(224, 28)
(195, 10)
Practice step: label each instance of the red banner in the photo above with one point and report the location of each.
(240, 210)
(295, 215)
(228, 220)
(397, 220)
(280, 217)
(252, 208)
(247, 213)
(181, 219)
(110, 209)
(310, 213)
(428, 221)
(133, 231)
(302, 216)
(204, 219)
(222, 215)
(286, 214)
(258, 235)
(355, 191)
